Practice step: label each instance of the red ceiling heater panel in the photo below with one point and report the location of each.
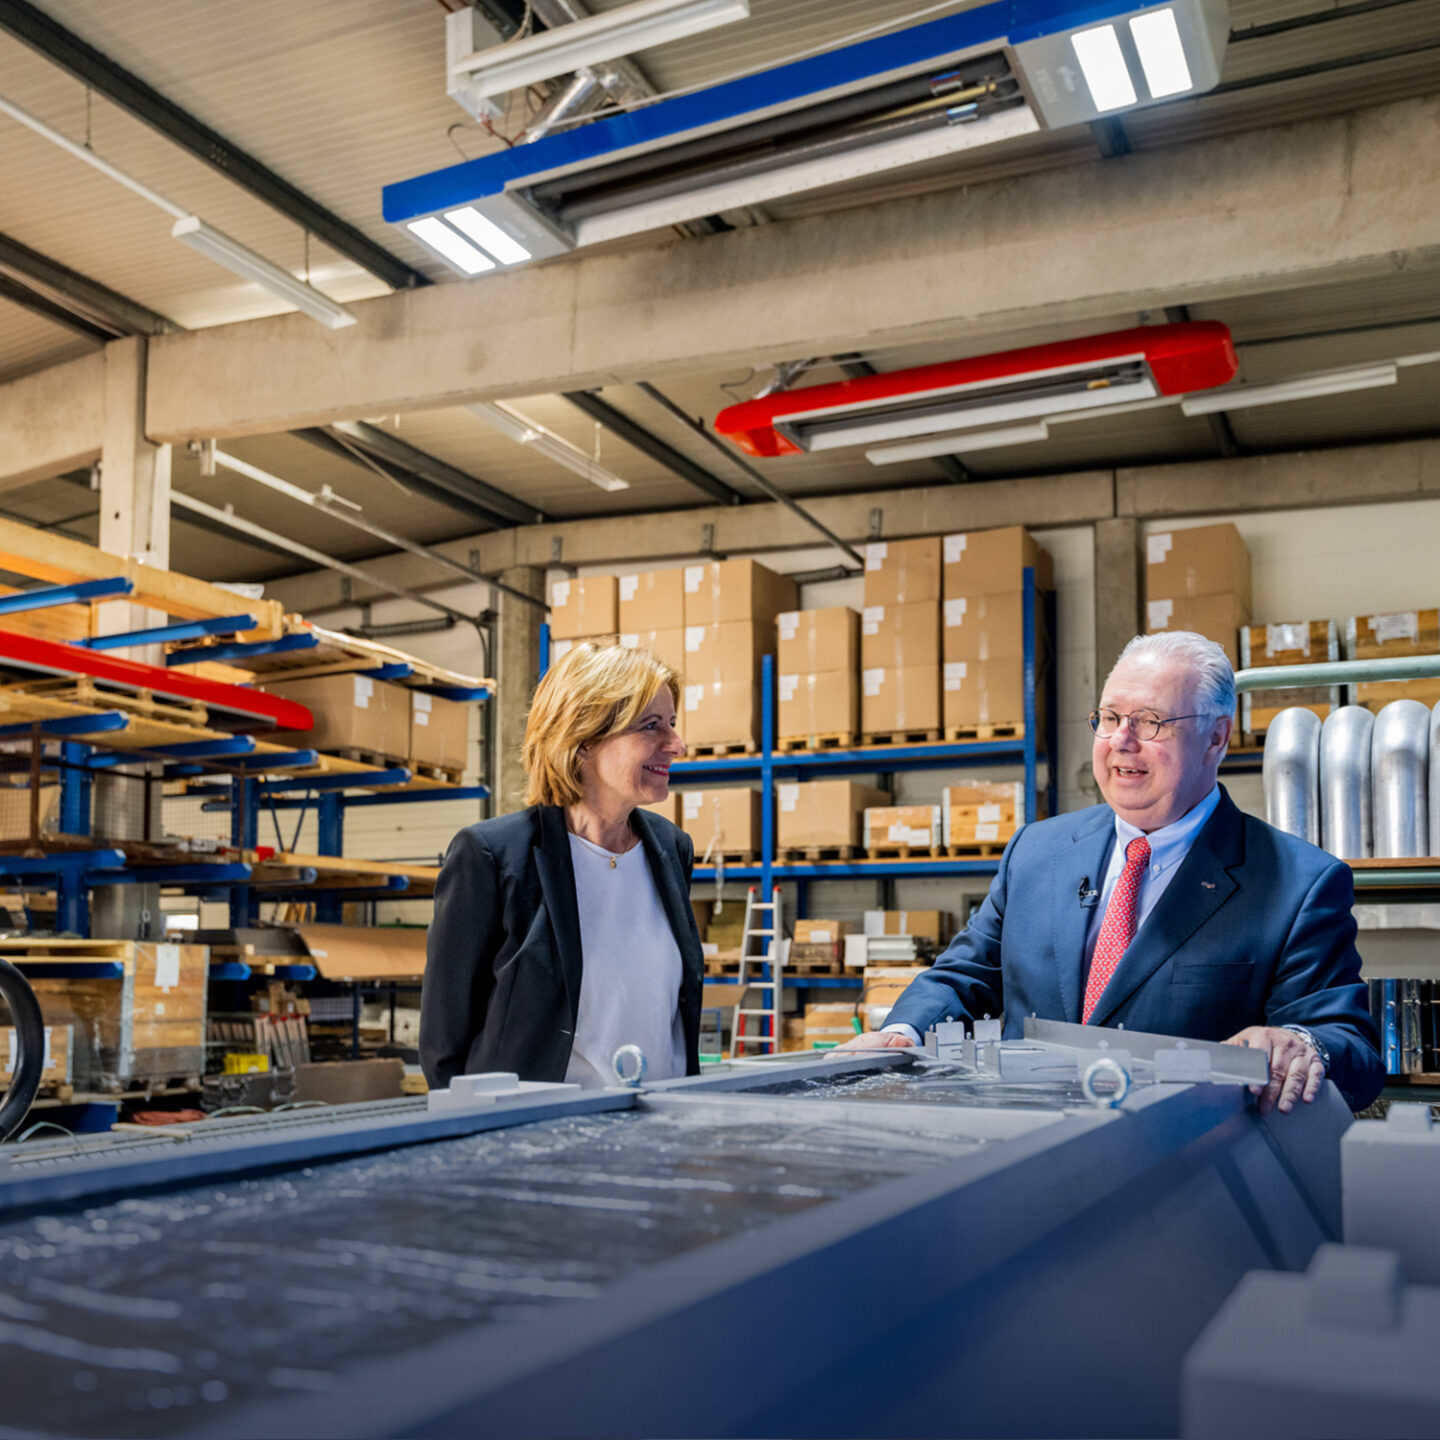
(1097, 371)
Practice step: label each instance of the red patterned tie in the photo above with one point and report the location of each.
(1118, 928)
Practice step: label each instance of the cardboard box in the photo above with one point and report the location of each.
(917, 826)
(984, 627)
(727, 590)
(987, 692)
(1216, 617)
(723, 712)
(1300, 642)
(667, 646)
(667, 809)
(933, 925)
(1204, 560)
(351, 712)
(730, 650)
(902, 572)
(55, 1067)
(821, 932)
(830, 1023)
(900, 637)
(652, 601)
(822, 814)
(983, 813)
(892, 700)
(993, 562)
(580, 609)
(1382, 637)
(439, 731)
(363, 952)
(721, 821)
(884, 985)
(559, 649)
(811, 705)
(814, 642)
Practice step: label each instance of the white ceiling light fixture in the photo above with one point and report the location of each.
(1162, 53)
(959, 444)
(515, 426)
(505, 249)
(1305, 387)
(1103, 65)
(454, 249)
(548, 53)
(191, 229)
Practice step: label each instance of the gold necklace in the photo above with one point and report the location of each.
(602, 850)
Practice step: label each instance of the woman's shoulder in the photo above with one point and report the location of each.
(502, 833)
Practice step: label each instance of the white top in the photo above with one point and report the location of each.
(630, 987)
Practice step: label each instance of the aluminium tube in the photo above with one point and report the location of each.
(1346, 823)
(1400, 779)
(1291, 773)
(1434, 781)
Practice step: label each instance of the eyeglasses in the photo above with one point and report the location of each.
(1144, 724)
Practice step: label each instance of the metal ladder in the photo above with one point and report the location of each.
(769, 953)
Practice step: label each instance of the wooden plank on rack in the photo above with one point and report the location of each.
(353, 952)
(340, 865)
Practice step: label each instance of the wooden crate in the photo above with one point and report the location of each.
(144, 1026)
(59, 1051)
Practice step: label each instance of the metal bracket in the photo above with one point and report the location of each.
(877, 522)
(707, 539)
(557, 549)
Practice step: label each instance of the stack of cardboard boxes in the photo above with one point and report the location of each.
(1303, 642)
(585, 609)
(1198, 579)
(983, 634)
(652, 617)
(817, 687)
(900, 640)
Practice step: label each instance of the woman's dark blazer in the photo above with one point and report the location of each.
(503, 966)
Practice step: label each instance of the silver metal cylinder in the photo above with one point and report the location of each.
(1435, 781)
(1291, 773)
(1346, 821)
(1400, 779)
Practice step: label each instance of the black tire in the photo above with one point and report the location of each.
(30, 1040)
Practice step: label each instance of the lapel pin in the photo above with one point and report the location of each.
(1208, 884)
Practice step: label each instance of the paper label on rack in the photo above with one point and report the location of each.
(872, 617)
(788, 685)
(954, 548)
(693, 802)
(955, 612)
(364, 689)
(789, 797)
(1402, 625)
(987, 832)
(694, 638)
(988, 815)
(694, 694)
(559, 594)
(420, 701)
(630, 640)
(788, 624)
(1279, 638)
(1157, 547)
(872, 681)
(629, 585)
(694, 574)
(875, 554)
(954, 673)
(167, 967)
(1160, 612)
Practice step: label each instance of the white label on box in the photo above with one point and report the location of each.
(1160, 612)
(167, 967)
(708, 950)
(955, 612)
(694, 637)
(694, 574)
(159, 1007)
(954, 672)
(1157, 547)
(421, 717)
(1402, 625)
(559, 594)
(872, 681)
(1279, 638)
(920, 836)
(419, 701)
(629, 585)
(898, 834)
(821, 937)
(630, 640)
(872, 617)
(873, 922)
(789, 797)
(954, 548)
(789, 624)
(559, 649)
(988, 815)
(789, 684)
(694, 694)
(987, 832)
(364, 689)
(694, 803)
(875, 554)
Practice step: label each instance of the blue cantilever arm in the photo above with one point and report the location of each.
(45, 597)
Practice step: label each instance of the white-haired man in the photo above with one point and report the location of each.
(1166, 909)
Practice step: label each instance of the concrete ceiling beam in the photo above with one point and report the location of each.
(52, 421)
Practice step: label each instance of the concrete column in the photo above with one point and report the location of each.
(1119, 591)
(135, 523)
(518, 667)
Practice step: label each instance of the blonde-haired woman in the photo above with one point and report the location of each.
(564, 931)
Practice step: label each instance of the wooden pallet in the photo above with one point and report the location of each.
(374, 758)
(905, 852)
(730, 857)
(83, 691)
(817, 854)
(721, 967)
(440, 774)
(814, 967)
(975, 849)
(829, 740)
(985, 732)
(900, 737)
(719, 749)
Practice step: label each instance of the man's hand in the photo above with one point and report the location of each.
(1295, 1069)
(879, 1040)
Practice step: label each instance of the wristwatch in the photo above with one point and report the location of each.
(1312, 1042)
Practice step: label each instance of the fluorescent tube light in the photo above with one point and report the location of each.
(453, 248)
(235, 257)
(1162, 54)
(505, 249)
(1104, 67)
(515, 426)
(549, 53)
(959, 444)
(1307, 387)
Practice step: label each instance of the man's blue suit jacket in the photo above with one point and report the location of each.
(1254, 929)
